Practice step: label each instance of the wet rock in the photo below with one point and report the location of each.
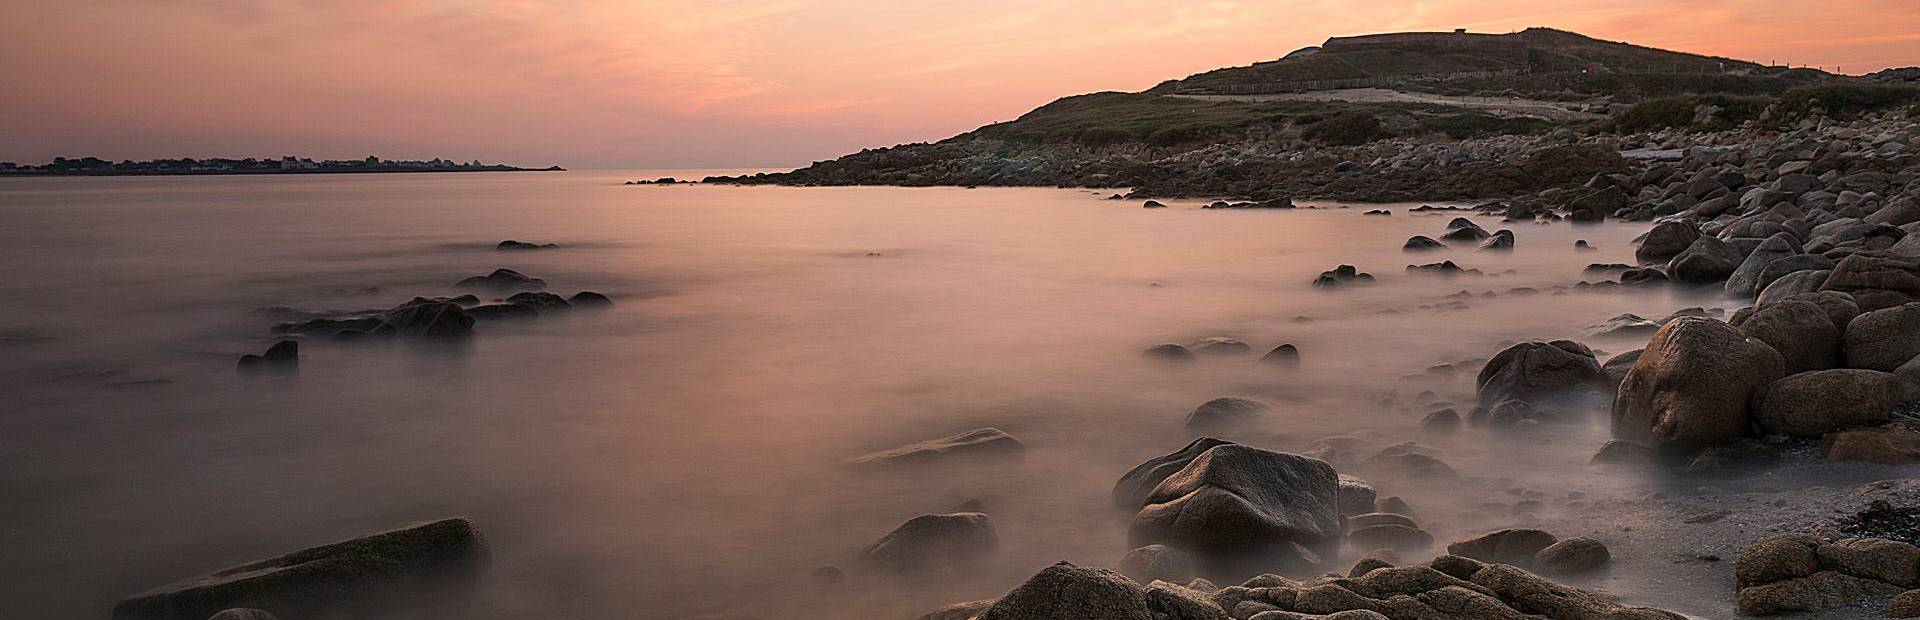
(1238, 501)
(976, 442)
(1650, 276)
(1342, 276)
(1693, 385)
(1617, 366)
(1131, 492)
(428, 318)
(1380, 518)
(1356, 495)
(1421, 243)
(1887, 444)
(1067, 592)
(1501, 240)
(1582, 245)
(1800, 331)
(351, 576)
(1153, 204)
(1285, 355)
(1169, 352)
(1814, 403)
(1541, 372)
(328, 327)
(1441, 421)
(542, 301)
(1159, 562)
(1509, 546)
(502, 281)
(1876, 281)
(1883, 339)
(521, 245)
(935, 544)
(284, 354)
(1224, 413)
(1573, 556)
(589, 300)
(1220, 345)
(1665, 241)
(1707, 261)
(1626, 325)
(1462, 229)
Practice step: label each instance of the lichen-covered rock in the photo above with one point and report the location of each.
(1168, 601)
(1693, 385)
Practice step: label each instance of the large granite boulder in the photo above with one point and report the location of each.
(1236, 500)
(1796, 283)
(1876, 281)
(1883, 339)
(1067, 592)
(1131, 492)
(1665, 241)
(1811, 404)
(1707, 261)
(1801, 331)
(1694, 385)
(1541, 372)
(934, 544)
(355, 577)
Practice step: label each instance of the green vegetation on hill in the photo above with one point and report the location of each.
(1844, 100)
(1103, 119)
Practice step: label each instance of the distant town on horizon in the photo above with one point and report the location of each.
(288, 164)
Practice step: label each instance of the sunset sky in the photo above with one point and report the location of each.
(724, 83)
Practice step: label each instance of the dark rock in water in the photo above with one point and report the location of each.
(1067, 592)
(1600, 268)
(1463, 229)
(284, 354)
(1153, 204)
(1378, 212)
(1650, 276)
(1342, 276)
(544, 302)
(1573, 556)
(1561, 370)
(1780, 268)
(1224, 413)
(1169, 351)
(1617, 367)
(1441, 421)
(1239, 501)
(495, 312)
(1800, 331)
(1594, 206)
(1421, 243)
(520, 245)
(1131, 492)
(589, 300)
(935, 544)
(503, 280)
(426, 318)
(1745, 280)
(1876, 281)
(1883, 339)
(1283, 355)
(984, 441)
(1665, 241)
(1811, 404)
(1581, 244)
(1445, 268)
(1159, 562)
(1356, 496)
(1625, 325)
(1693, 385)
(335, 580)
(1220, 345)
(1501, 240)
(1390, 536)
(1707, 261)
(828, 573)
(327, 327)
(1510, 546)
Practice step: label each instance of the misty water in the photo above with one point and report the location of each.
(687, 451)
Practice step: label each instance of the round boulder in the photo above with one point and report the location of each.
(1694, 384)
(1665, 241)
(1541, 372)
(1707, 261)
(1236, 500)
(1811, 404)
(1800, 331)
(1572, 556)
(1224, 413)
(1884, 339)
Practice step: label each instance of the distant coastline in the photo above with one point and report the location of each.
(96, 167)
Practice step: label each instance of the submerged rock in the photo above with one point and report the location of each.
(979, 441)
(1170, 352)
(347, 576)
(521, 245)
(1220, 345)
(1236, 501)
(429, 318)
(503, 281)
(1421, 243)
(935, 544)
(589, 300)
(1562, 370)
(1284, 355)
(1131, 492)
(1224, 413)
(284, 354)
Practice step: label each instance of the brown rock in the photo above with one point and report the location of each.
(1510, 546)
(1694, 385)
(1814, 403)
(1890, 444)
(1821, 590)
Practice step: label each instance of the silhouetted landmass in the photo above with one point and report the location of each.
(94, 166)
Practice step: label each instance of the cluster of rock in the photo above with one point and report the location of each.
(1791, 573)
(1284, 355)
(1344, 275)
